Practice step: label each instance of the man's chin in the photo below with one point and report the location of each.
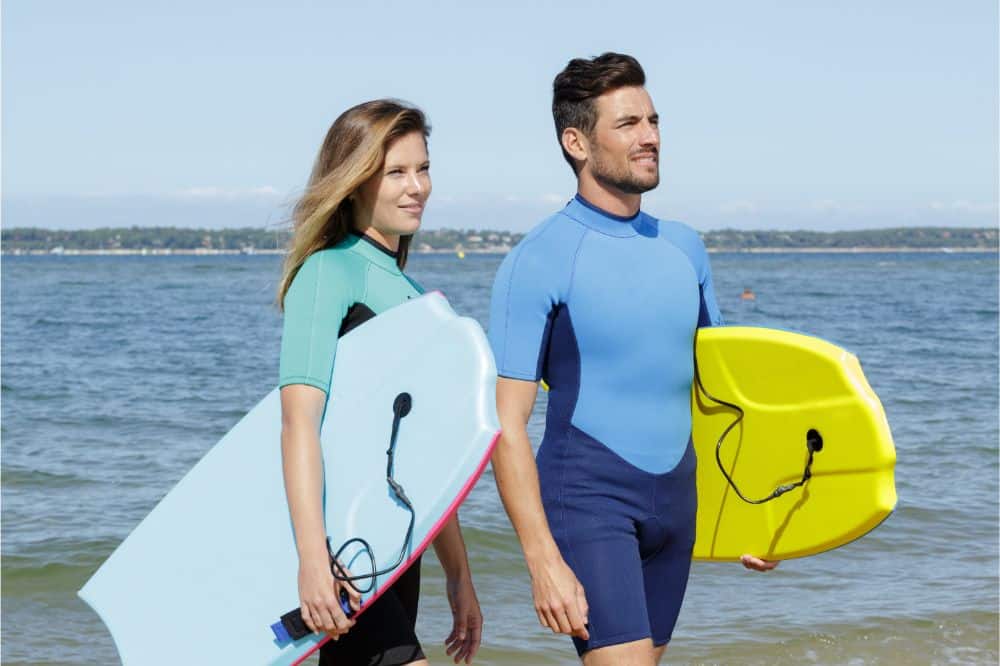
(631, 183)
(640, 185)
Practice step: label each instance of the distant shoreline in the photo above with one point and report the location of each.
(160, 252)
(158, 241)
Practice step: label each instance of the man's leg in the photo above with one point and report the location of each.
(666, 562)
(634, 653)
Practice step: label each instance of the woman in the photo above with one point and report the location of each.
(353, 227)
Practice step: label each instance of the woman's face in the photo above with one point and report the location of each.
(392, 201)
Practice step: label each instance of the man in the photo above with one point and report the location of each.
(602, 302)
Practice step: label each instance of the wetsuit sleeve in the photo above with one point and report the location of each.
(315, 305)
(416, 285)
(709, 313)
(525, 295)
(689, 241)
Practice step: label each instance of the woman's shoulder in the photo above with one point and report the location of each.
(329, 270)
(337, 260)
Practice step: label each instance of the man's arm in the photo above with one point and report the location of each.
(559, 597)
(711, 315)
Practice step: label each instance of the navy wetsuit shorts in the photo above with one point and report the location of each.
(627, 534)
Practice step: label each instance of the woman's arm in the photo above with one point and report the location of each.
(467, 619)
(302, 463)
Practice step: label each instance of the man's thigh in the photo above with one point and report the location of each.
(634, 653)
(606, 561)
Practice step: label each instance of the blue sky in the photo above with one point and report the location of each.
(821, 115)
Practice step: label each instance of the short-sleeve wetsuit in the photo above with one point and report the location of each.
(335, 290)
(604, 309)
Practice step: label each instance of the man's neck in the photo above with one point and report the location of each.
(607, 197)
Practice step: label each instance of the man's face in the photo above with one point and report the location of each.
(625, 143)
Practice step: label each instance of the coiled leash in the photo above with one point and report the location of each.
(814, 444)
(291, 627)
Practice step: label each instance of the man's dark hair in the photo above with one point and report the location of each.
(581, 82)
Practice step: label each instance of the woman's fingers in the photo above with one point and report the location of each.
(344, 587)
(308, 619)
(472, 641)
(353, 596)
(324, 618)
(462, 646)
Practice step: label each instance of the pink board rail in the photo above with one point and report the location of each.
(425, 542)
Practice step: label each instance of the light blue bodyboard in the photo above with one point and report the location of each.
(204, 575)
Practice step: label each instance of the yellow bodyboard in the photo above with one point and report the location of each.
(787, 384)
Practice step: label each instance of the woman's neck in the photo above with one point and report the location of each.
(390, 241)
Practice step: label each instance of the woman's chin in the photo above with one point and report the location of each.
(407, 228)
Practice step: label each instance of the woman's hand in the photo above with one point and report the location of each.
(467, 620)
(319, 598)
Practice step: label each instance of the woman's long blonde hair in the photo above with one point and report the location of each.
(353, 151)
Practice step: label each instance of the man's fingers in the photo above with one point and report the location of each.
(757, 564)
(581, 602)
(565, 624)
(550, 621)
(578, 623)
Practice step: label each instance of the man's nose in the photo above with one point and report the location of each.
(650, 135)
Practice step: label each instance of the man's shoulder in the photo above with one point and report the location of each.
(546, 253)
(685, 238)
(556, 235)
(673, 230)
(680, 234)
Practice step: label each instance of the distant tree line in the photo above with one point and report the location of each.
(905, 237)
(138, 238)
(174, 238)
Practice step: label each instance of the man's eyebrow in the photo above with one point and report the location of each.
(633, 118)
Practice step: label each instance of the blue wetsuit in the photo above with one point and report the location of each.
(604, 309)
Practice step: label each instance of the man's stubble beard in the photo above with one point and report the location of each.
(623, 181)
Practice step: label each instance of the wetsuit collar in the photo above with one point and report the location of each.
(374, 251)
(601, 220)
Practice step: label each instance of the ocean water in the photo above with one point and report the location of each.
(119, 373)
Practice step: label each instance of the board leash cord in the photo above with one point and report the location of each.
(291, 626)
(814, 444)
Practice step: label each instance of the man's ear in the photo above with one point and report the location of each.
(575, 143)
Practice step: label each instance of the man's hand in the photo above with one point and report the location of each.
(757, 564)
(559, 598)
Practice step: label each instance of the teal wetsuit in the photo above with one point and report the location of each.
(335, 290)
